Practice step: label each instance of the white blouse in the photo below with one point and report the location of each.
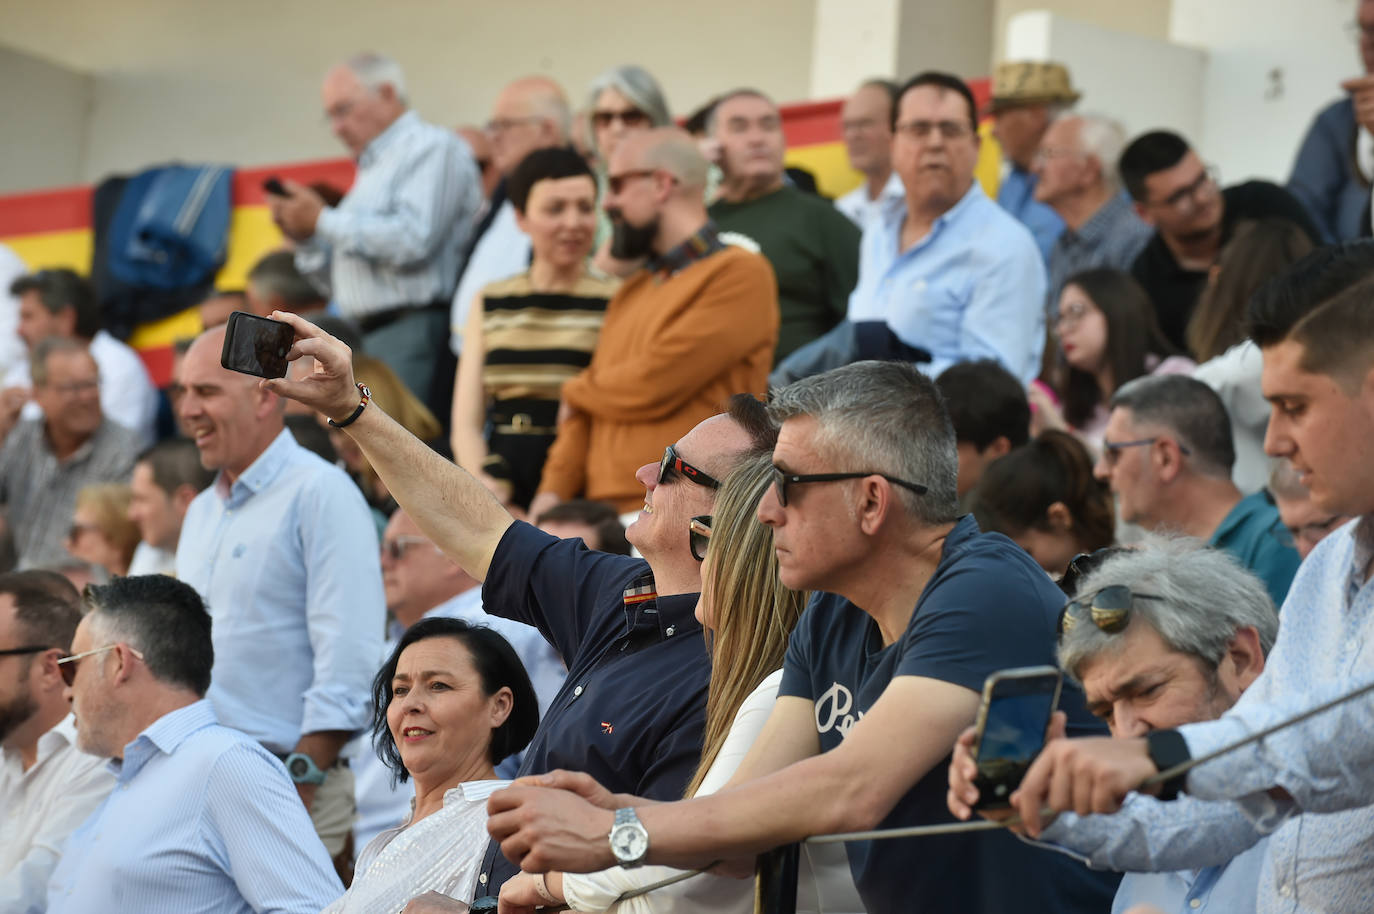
(440, 853)
(823, 885)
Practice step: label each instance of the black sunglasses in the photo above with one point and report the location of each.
(674, 464)
(1109, 609)
(1084, 564)
(699, 536)
(15, 651)
(782, 480)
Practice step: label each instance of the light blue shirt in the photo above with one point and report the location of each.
(202, 820)
(286, 561)
(1319, 860)
(398, 237)
(1016, 195)
(973, 288)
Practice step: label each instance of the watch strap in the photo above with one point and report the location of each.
(1168, 749)
(312, 774)
(358, 411)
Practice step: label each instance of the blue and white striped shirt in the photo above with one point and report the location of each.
(202, 820)
(398, 237)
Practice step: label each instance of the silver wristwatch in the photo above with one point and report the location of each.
(629, 840)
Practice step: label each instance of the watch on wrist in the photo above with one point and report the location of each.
(303, 769)
(358, 411)
(1167, 749)
(629, 840)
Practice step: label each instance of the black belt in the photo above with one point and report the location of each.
(370, 323)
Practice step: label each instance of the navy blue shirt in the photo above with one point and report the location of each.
(988, 607)
(632, 712)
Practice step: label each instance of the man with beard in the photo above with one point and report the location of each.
(696, 324)
(47, 785)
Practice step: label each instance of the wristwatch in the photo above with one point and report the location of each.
(353, 416)
(1167, 749)
(629, 840)
(303, 769)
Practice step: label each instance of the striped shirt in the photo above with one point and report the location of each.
(537, 340)
(202, 819)
(398, 237)
(39, 491)
(1112, 237)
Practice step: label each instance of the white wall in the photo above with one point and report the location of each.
(43, 108)
(1146, 18)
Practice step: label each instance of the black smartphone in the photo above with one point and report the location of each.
(1012, 721)
(273, 185)
(256, 345)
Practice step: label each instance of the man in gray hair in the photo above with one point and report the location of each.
(390, 251)
(1167, 453)
(1076, 167)
(1166, 635)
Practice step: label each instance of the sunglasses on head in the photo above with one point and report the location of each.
(1084, 564)
(67, 665)
(673, 465)
(699, 536)
(1109, 609)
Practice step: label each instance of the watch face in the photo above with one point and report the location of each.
(629, 841)
(299, 768)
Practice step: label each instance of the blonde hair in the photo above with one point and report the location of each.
(391, 394)
(752, 613)
(109, 504)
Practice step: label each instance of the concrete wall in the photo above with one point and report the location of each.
(1145, 18)
(44, 109)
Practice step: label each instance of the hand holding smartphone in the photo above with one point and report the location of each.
(273, 185)
(256, 345)
(1010, 731)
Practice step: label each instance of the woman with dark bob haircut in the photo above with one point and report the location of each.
(452, 700)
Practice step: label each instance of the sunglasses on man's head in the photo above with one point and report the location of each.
(673, 465)
(1109, 609)
(1084, 564)
(699, 536)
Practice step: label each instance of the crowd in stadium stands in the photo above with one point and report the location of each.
(628, 507)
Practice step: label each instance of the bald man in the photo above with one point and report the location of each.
(391, 250)
(696, 324)
(283, 550)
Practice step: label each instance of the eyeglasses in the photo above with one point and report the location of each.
(782, 480)
(395, 549)
(630, 117)
(1311, 533)
(673, 464)
(699, 536)
(1109, 609)
(1111, 450)
(67, 665)
(616, 183)
(1184, 200)
(16, 651)
(502, 124)
(1072, 313)
(1084, 564)
(921, 130)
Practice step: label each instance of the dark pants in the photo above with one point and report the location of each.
(410, 345)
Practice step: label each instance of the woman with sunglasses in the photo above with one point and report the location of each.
(529, 333)
(748, 615)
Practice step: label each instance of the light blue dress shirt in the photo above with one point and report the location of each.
(1016, 195)
(398, 237)
(202, 820)
(973, 288)
(286, 561)
(1319, 860)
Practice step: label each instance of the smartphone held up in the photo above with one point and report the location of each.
(256, 345)
(1010, 731)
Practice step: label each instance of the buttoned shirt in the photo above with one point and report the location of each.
(862, 211)
(1016, 195)
(973, 288)
(286, 560)
(201, 819)
(39, 808)
(397, 238)
(502, 251)
(1319, 860)
(1112, 237)
(39, 491)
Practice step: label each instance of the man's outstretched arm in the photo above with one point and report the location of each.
(450, 506)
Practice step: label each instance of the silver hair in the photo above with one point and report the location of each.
(377, 70)
(1190, 410)
(641, 90)
(732, 94)
(1204, 598)
(1102, 138)
(882, 417)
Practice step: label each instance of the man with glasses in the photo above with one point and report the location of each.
(1167, 454)
(695, 325)
(1160, 636)
(1307, 524)
(1193, 217)
(47, 786)
(915, 608)
(202, 818)
(46, 461)
(951, 272)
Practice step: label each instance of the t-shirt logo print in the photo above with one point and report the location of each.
(832, 710)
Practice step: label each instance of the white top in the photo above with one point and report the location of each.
(503, 250)
(1235, 376)
(127, 395)
(440, 853)
(39, 808)
(823, 883)
(149, 559)
(861, 210)
(11, 346)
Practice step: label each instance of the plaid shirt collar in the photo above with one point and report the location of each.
(705, 242)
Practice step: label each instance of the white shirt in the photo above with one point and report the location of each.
(11, 346)
(502, 251)
(149, 559)
(440, 853)
(127, 395)
(1235, 376)
(861, 210)
(39, 808)
(823, 883)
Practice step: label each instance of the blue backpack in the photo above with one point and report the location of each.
(171, 227)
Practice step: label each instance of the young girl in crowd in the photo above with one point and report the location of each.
(1108, 335)
(1043, 495)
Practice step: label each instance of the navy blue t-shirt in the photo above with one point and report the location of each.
(988, 607)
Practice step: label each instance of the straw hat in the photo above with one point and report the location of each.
(1030, 83)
